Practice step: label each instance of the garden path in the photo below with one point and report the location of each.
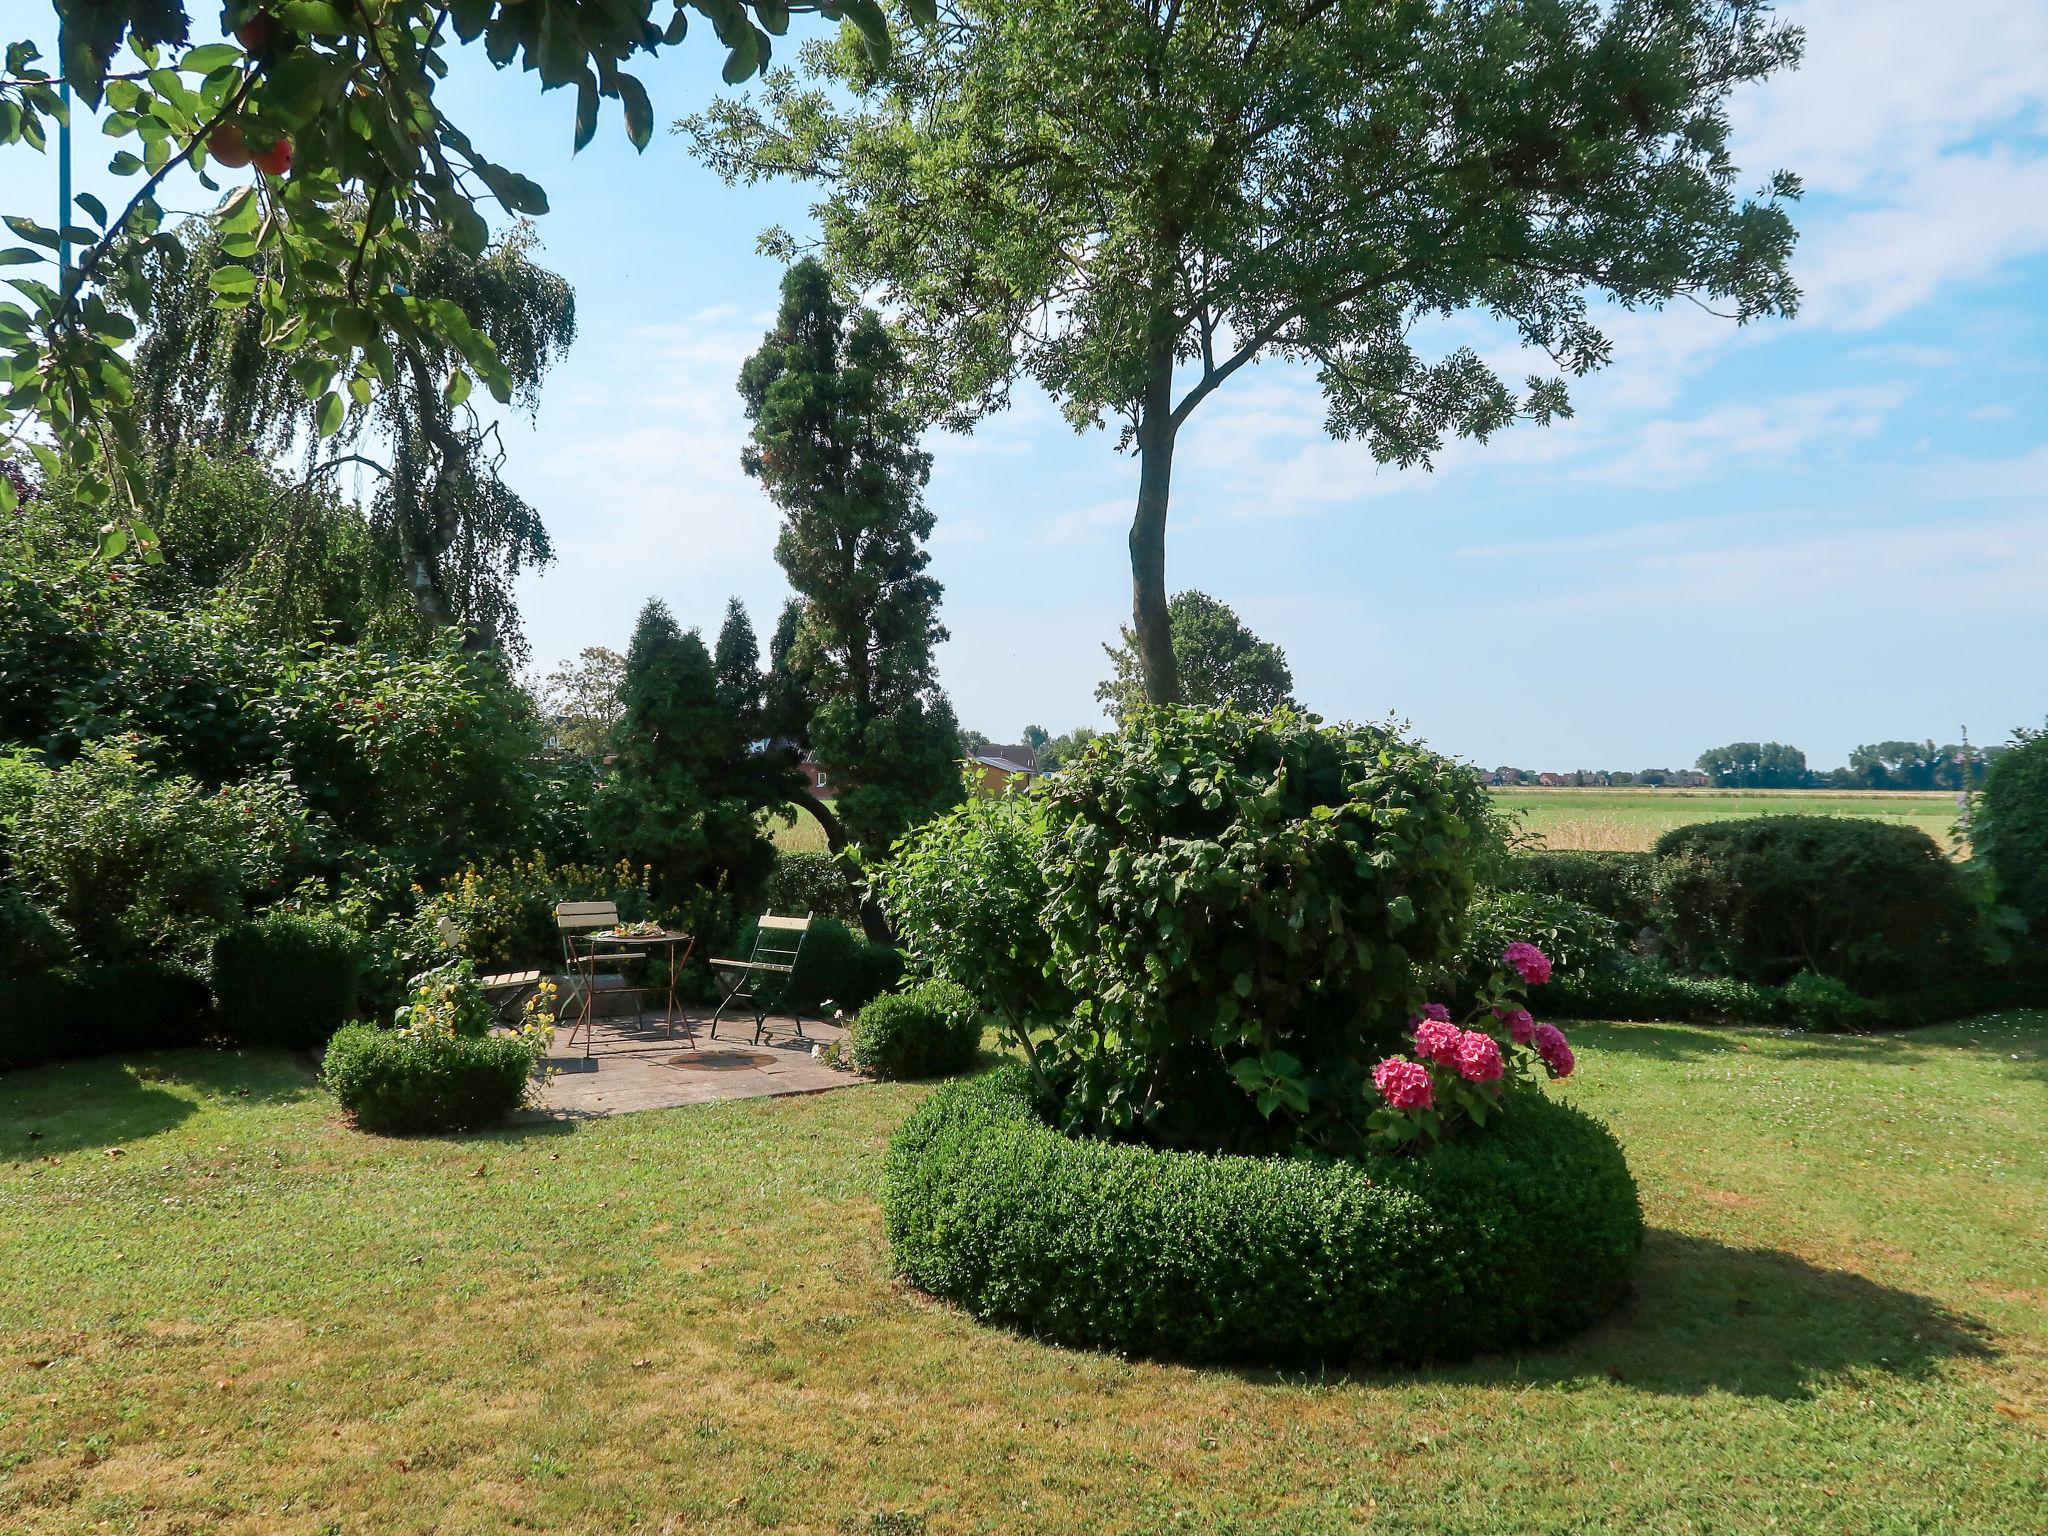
(633, 1064)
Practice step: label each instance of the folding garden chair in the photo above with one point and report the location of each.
(583, 917)
(762, 979)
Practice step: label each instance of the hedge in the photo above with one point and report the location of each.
(404, 1084)
(1622, 886)
(286, 980)
(1503, 1240)
(52, 1015)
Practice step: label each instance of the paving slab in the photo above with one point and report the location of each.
(635, 1062)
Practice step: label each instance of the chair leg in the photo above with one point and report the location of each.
(718, 1012)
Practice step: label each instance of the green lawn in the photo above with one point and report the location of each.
(256, 1320)
(1624, 819)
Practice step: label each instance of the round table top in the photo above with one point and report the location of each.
(663, 936)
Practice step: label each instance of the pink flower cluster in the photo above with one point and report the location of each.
(1437, 1040)
(1556, 1052)
(1527, 962)
(1476, 1055)
(1404, 1084)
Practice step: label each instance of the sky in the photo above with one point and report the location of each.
(1826, 530)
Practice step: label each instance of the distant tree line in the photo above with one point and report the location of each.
(1774, 765)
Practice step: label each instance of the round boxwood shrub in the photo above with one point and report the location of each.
(928, 1030)
(839, 967)
(400, 1083)
(286, 979)
(1874, 905)
(2009, 827)
(1505, 1240)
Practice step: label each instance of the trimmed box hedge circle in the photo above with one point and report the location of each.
(1510, 1239)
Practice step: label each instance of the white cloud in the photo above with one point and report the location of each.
(1766, 432)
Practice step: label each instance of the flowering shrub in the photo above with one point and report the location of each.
(1467, 1073)
(504, 912)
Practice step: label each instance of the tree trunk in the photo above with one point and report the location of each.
(873, 924)
(1149, 623)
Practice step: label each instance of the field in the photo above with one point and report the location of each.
(1625, 819)
(804, 835)
(228, 1313)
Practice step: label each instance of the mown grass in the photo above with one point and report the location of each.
(1621, 820)
(256, 1320)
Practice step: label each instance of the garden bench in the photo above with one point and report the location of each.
(763, 978)
(506, 991)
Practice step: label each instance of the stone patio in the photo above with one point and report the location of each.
(634, 1064)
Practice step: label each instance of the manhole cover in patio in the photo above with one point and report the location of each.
(722, 1061)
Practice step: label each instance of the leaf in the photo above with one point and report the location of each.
(586, 112)
(94, 207)
(332, 412)
(639, 111)
(232, 282)
(205, 60)
(924, 12)
(459, 383)
(15, 256)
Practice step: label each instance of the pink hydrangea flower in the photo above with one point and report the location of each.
(1520, 1025)
(1435, 1011)
(1478, 1057)
(1437, 1040)
(1556, 1053)
(1527, 962)
(1403, 1083)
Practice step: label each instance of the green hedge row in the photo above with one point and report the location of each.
(280, 980)
(1630, 989)
(1509, 1239)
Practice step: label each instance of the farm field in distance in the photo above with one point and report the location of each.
(1619, 820)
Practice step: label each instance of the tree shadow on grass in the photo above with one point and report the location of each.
(112, 1101)
(1709, 1317)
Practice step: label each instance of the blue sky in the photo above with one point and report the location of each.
(1823, 531)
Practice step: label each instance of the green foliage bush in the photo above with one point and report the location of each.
(1621, 886)
(1648, 991)
(966, 892)
(812, 883)
(2009, 827)
(929, 1030)
(1222, 888)
(1763, 898)
(1514, 1239)
(402, 1083)
(1575, 937)
(143, 866)
(839, 967)
(286, 979)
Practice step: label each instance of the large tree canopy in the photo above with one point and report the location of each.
(1128, 201)
(334, 103)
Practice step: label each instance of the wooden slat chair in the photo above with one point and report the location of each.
(582, 917)
(505, 990)
(762, 979)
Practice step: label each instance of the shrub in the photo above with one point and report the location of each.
(1621, 886)
(812, 883)
(2009, 827)
(839, 967)
(1871, 904)
(928, 1030)
(446, 1002)
(1222, 888)
(286, 980)
(966, 891)
(1648, 991)
(147, 866)
(1577, 937)
(1478, 1246)
(503, 910)
(402, 1083)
